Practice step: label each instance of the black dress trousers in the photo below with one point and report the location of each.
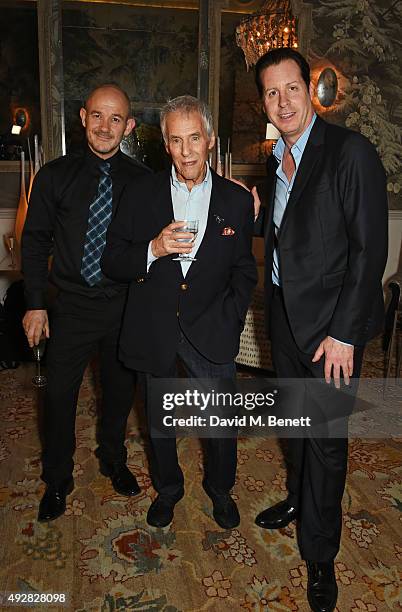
(316, 466)
(79, 327)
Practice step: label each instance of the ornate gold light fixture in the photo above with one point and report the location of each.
(273, 26)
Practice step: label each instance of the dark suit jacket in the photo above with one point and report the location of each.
(210, 304)
(333, 239)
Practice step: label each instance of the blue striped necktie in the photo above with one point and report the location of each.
(100, 214)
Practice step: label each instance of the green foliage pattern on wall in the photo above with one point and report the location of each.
(151, 53)
(361, 38)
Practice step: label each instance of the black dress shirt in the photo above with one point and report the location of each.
(57, 222)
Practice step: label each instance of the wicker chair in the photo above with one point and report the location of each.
(254, 347)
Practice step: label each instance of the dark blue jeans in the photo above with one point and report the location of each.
(220, 453)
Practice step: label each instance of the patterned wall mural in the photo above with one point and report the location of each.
(151, 53)
(360, 39)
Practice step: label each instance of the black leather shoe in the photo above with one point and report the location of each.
(322, 590)
(277, 516)
(53, 502)
(160, 512)
(123, 481)
(225, 510)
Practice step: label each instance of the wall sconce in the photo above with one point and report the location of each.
(327, 87)
(20, 120)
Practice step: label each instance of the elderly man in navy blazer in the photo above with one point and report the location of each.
(193, 311)
(325, 231)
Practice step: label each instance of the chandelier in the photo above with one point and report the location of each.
(271, 27)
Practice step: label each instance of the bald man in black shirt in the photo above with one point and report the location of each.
(72, 202)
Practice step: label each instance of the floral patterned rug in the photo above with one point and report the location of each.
(104, 557)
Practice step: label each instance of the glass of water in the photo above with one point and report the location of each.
(191, 227)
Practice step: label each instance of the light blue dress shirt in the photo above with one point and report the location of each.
(189, 205)
(284, 188)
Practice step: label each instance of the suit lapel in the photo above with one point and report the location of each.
(162, 209)
(161, 204)
(309, 159)
(272, 165)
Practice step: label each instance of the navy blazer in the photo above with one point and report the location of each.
(210, 304)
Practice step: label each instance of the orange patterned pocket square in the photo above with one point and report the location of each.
(227, 231)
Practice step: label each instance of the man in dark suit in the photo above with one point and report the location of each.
(325, 231)
(72, 202)
(192, 311)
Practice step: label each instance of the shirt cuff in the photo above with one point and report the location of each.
(150, 257)
(35, 300)
(340, 341)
